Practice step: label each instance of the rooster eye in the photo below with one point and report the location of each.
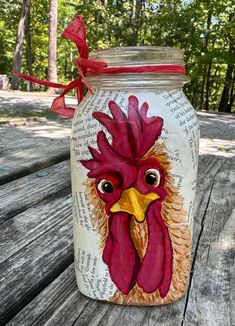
(152, 177)
(105, 186)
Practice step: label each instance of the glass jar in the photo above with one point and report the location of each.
(134, 157)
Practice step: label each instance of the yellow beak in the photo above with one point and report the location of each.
(134, 203)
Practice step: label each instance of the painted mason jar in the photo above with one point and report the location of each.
(134, 156)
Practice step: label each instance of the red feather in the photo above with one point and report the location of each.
(132, 135)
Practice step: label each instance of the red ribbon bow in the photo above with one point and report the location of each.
(76, 32)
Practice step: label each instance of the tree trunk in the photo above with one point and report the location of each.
(201, 107)
(232, 95)
(29, 50)
(17, 59)
(194, 97)
(208, 75)
(52, 48)
(227, 97)
(205, 71)
(224, 102)
(136, 21)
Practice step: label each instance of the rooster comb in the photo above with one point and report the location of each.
(133, 134)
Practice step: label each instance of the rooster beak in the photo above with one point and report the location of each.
(134, 203)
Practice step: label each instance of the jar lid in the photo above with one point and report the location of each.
(139, 55)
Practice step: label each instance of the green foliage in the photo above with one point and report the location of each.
(9, 16)
(39, 37)
(204, 29)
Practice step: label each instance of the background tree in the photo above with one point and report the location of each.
(29, 50)
(204, 29)
(227, 98)
(52, 47)
(17, 58)
(10, 12)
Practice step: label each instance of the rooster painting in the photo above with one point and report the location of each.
(138, 212)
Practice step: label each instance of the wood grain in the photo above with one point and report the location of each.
(25, 227)
(22, 193)
(27, 148)
(217, 133)
(23, 134)
(22, 162)
(210, 299)
(29, 270)
(48, 307)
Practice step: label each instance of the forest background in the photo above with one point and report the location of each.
(30, 35)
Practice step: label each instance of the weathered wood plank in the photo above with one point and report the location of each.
(48, 307)
(210, 301)
(102, 314)
(30, 269)
(29, 160)
(25, 227)
(22, 193)
(208, 168)
(217, 134)
(15, 136)
(27, 148)
(216, 125)
(68, 311)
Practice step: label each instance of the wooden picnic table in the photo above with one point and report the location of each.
(37, 278)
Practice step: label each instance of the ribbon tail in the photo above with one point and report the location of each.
(40, 81)
(58, 106)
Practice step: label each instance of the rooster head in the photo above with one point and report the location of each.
(131, 184)
(126, 181)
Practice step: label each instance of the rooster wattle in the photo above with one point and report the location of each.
(138, 211)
